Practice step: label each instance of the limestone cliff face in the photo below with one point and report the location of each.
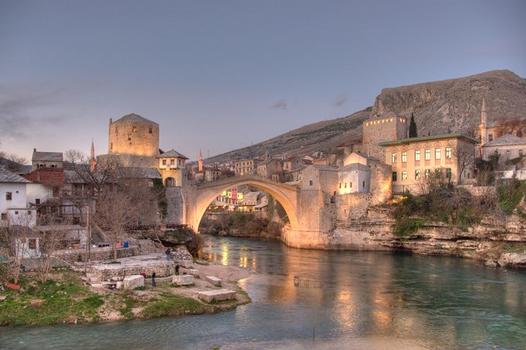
(495, 241)
(439, 106)
(455, 104)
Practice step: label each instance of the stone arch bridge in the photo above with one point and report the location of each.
(306, 209)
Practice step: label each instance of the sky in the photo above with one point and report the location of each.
(220, 75)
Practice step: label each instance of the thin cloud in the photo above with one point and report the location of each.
(16, 105)
(280, 104)
(340, 100)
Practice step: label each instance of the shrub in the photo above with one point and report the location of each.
(406, 226)
(510, 193)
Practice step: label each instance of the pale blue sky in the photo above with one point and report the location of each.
(219, 75)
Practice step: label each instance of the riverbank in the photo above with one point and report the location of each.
(66, 299)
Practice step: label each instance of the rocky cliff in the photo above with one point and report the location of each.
(440, 106)
(455, 104)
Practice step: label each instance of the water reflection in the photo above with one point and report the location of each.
(327, 300)
(445, 302)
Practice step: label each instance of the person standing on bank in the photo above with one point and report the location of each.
(153, 280)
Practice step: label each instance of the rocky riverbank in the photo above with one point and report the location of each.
(66, 298)
(495, 241)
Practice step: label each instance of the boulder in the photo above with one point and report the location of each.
(213, 280)
(183, 280)
(133, 281)
(216, 295)
(512, 260)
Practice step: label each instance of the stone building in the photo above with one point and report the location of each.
(171, 165)
(47, 159)
(134, 141)
(414, 160)
(505, 139)
(355, 175)
(508, 147)
(245, 167)
(377, 130)
(271, 168)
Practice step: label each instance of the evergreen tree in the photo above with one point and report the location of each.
(412, 127)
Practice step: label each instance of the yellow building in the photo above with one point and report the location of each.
(415, 160)
(245, 167)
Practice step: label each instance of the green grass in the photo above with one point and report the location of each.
(128, 303)
(61, 301)
(172, 305)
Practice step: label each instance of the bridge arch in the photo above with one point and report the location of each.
(198, 202)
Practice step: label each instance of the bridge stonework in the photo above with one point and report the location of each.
(310, 218)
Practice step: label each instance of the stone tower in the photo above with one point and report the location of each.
(483, 126)
(200, 162)
(378, 130)
(92, 158)
(133, 135)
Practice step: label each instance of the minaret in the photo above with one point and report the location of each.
(483, 123)
(200, 162)
(92, 159)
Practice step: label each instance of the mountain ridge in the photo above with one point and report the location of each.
(449, 105)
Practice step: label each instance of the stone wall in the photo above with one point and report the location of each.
(376, 130)
(140, 138)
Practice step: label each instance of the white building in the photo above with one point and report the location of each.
(14, 208)
(355, 175)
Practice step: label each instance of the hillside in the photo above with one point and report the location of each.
(440, 106)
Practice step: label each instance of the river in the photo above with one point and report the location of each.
(326, 300)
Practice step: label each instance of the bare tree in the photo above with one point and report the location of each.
(75, 156)
(15, 240)
(51, 238)
(114, 212)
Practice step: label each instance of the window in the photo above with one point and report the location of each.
(164, 161)
(172, 161)
(8, 196)
(32, 243)
(345, 185)
(363, 184)
(394, 176)
(134, 129)
(37, 201)
(29, 212)
(438, 153)
(150, 130)
(417, 174)
(448, 173)
(427, 154)
(417, 155)
(448, 152)
(16, 212)
(310, 182)
(404, 175)
(490, 137)
(393, 158)
(404, 157)
(111, 146)
(340, 185)
(350, 184)
(427, 173)
(4, 217)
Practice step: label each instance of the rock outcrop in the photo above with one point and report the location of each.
(440, 106)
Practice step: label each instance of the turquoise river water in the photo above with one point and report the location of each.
(326, 300)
